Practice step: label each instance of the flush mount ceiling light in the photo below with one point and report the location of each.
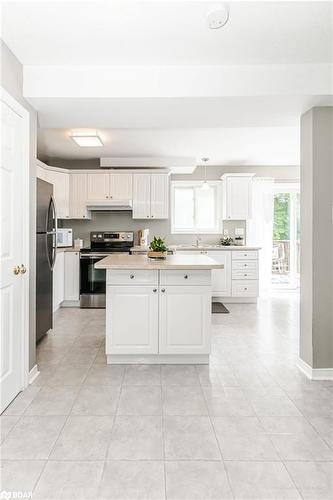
(205, 184)
(217, 15)
(86, 140)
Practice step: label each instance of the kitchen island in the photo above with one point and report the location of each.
(158, 311)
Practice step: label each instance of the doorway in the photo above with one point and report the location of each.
(286, 237)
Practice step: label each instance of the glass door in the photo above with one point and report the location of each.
(286, 237)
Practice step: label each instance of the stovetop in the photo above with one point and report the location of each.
(106, 242)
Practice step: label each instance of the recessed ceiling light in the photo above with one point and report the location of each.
(217, 16)
(86, 140)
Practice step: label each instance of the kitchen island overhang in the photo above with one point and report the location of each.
(158, 311)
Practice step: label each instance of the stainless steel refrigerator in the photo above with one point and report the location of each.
(46, 246)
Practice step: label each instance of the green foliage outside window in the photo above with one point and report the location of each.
(281, 216)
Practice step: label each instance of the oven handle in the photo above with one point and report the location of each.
(92, 256)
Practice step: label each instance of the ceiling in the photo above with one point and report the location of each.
(224, 146)
(166, 33)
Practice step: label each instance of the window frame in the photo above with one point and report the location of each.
(218, 208)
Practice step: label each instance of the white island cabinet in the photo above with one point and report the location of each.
(158, 311)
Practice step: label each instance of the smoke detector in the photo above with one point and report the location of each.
(218, 15)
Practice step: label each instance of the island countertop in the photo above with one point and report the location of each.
(120, 261)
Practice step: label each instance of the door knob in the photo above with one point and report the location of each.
(23, 269)
(16, 270)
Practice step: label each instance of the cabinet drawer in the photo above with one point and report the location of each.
(250, 254)
(247, 274)
(132, 277)
(175, 277)
(243, 288)
(242, 265)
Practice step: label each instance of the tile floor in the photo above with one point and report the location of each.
(248, 426)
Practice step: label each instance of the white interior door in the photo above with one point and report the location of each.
(13, 278)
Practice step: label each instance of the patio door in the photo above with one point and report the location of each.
(286, 236)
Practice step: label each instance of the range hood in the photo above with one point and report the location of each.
(109, 205)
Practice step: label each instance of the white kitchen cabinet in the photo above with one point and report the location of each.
(72, 276)
(120, 186)
(58, 280)
(97, 187)
(41, 173)
(60, 182)
(141, 196)
(221, 278)
(150, 196)
(237, 196)
(132, 320)
(159, 196)
(78, 196)
(184, 320)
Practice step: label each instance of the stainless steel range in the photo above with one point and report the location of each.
(92, 281)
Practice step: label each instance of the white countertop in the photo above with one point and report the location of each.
(120, 261)
(67, 249)
(185, 248)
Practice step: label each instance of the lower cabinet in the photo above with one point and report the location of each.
(158, 319)
(72, 276)
(184, 320)
(132, 320)
(58, 280)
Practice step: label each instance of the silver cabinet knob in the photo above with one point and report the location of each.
(163, 290)
(155, 290)
(185, 276)
(131, 276)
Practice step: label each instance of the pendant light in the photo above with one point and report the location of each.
(205, 184)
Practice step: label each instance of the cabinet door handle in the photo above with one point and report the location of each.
(185, 276)
(155, 290)
(163, 290)
(131, 276)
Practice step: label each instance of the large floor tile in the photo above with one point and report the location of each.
(136, 438)
(22, 401)
(179, 375)
(20, 475)
(220, 404)
(286, 425)
(140, 400)
(69, 480)
(83, 438)
(314, 407)
(186, 400)
(302, 446)
(32, 438)
(260, 480)
(190, 438)
(243, 438)
(80, 355)
(313, 479)
(275, 407)
(53, 401)
(142, 375)
(68, 375)
(196, 480)
(98, 400)
(103, 374)
(7, 423)
(133, 480)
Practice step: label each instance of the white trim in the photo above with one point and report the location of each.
(25, 195)
(33, 374)
(314, 373)
(153, 359)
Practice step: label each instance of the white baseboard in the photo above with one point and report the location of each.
(153, 359)
(33, 374)
(315, 373)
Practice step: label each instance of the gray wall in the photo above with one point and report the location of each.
(123, 220)
(316, 339)
(12, 82)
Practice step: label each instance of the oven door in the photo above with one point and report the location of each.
(92, 281)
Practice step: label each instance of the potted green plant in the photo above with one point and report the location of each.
(157, 249)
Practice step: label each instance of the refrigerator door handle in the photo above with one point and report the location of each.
(52, 215)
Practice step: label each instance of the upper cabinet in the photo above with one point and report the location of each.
(237, 196)
(102, 186)
(78, 196)
(60, 181)
(150, 196)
